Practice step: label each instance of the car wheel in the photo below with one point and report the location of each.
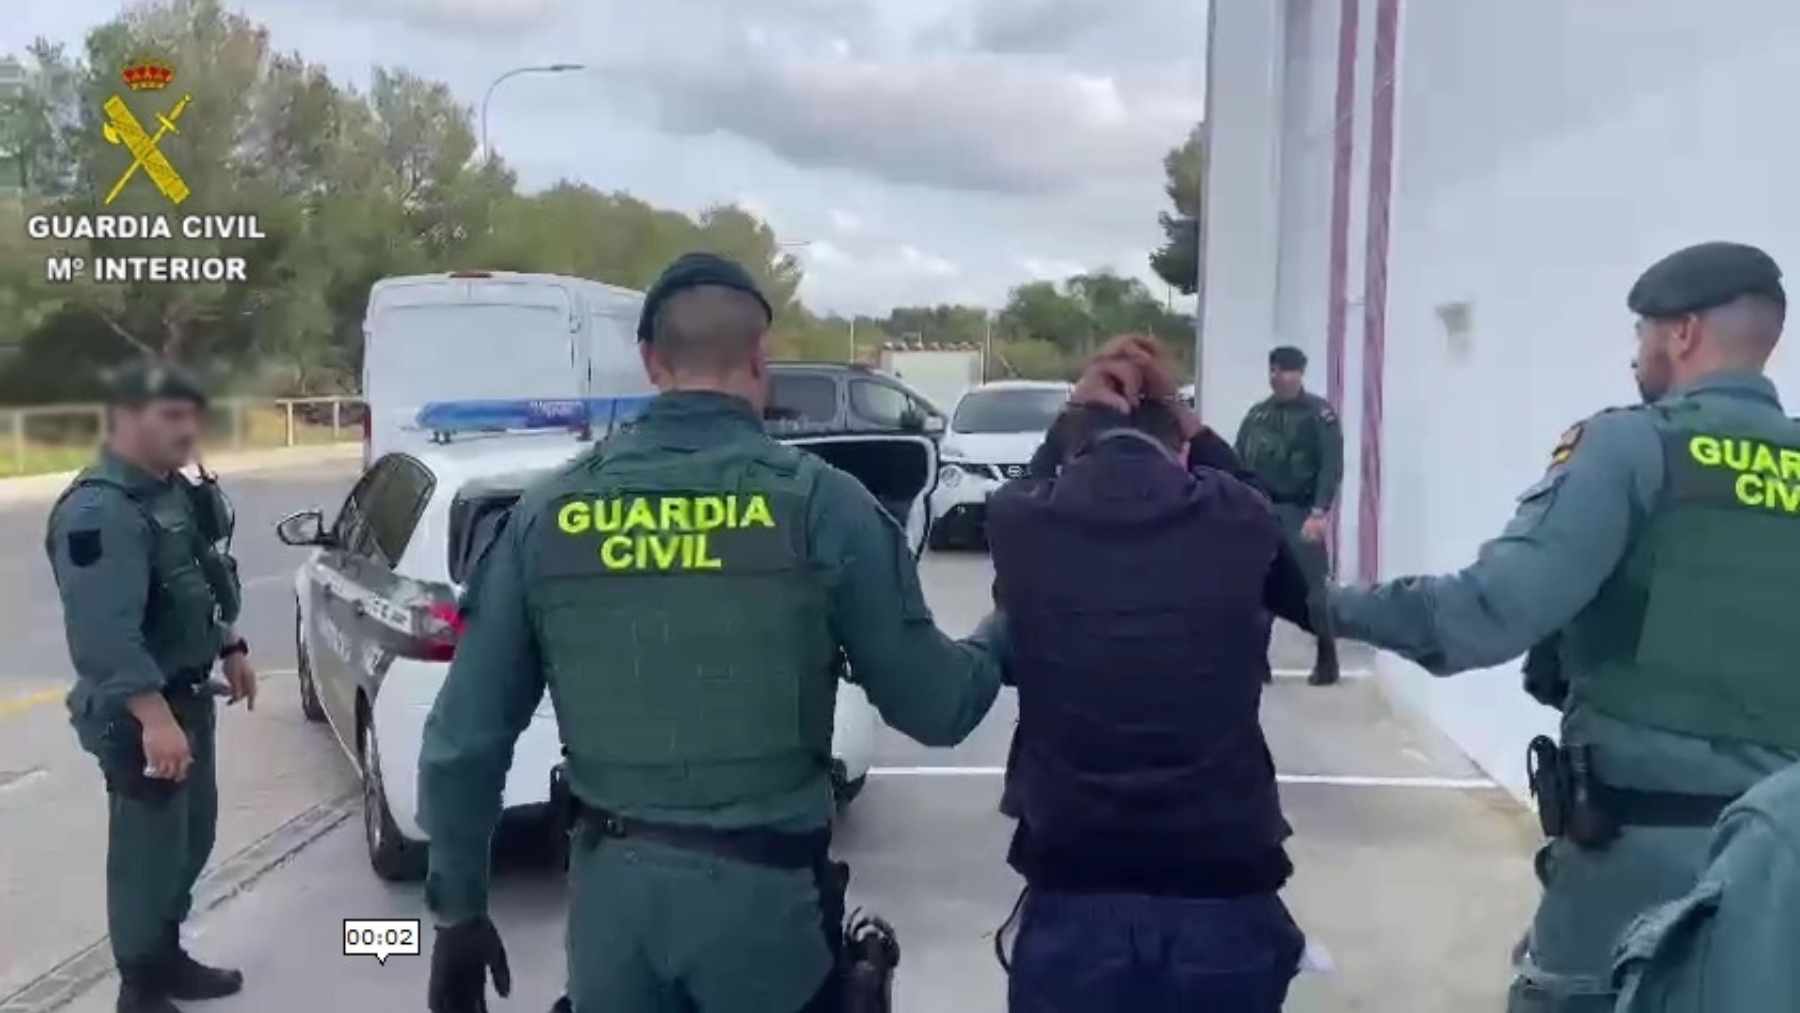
(309, 690)
(391, 855)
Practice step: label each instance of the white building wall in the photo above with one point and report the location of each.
(1241, 209)
(1546, 153)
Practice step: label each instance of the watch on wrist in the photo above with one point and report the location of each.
(238, 646)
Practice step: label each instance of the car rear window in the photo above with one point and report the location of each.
(475, 522)
(800, 398)
(1009, 411)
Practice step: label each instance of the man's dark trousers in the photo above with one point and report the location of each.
(1129, 953)
(159, 834)
(1314, 559)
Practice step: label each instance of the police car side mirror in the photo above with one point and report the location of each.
(304, 528)
(933, 425)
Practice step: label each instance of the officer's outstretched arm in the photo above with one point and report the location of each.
(100, 554)
(1568, 534)
(493, 687)
(931, 688)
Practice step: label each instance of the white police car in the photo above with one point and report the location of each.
(376, 618)
(992, 434)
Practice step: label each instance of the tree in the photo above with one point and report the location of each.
(1177, 261)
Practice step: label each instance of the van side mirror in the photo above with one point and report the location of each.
(934, 425)
(302, 529)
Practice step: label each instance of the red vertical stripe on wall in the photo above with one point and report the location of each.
(1343, 138)
(1381, 187)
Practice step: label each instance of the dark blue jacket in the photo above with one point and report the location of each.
(1138, 597)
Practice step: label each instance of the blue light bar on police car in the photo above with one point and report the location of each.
(449, 417)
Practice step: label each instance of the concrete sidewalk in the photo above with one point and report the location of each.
(47, 486)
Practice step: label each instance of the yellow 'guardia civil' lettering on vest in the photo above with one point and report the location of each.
(1767, 476)
(661, 532)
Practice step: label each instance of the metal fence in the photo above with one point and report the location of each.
(47, 438)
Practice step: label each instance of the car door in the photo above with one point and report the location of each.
(330, 647)
(374, 600)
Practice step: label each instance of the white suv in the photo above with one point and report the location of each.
(990, 439)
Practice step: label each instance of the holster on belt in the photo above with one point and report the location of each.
(1575, 804)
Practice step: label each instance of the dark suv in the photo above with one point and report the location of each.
(835, 397)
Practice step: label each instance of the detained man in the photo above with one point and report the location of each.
(1136, 594)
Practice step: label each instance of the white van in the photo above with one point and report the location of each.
(470, 337)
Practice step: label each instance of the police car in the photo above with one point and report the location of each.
(992, 434)
(376, 619)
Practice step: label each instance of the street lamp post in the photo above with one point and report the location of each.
(487, 153)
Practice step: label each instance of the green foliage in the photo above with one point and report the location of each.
(1177, 261)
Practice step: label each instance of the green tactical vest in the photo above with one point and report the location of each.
(1694, 632)
(683, 628)
(193, 590)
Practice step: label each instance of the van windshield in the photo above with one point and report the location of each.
(1009, 411)
(448, 352)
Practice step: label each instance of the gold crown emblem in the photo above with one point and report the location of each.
(148, 75)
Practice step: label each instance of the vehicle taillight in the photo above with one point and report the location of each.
(440, 628)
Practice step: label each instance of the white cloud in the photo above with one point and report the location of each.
(847, 222)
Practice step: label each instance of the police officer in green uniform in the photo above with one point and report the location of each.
(149, 594)
(1727, 946)
(1651, 574)
(690, 592)
(1292, 442)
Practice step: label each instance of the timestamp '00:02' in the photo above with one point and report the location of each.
(378, 937)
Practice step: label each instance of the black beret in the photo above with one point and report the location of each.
(1701, 277)
(1287, 357)
(690, 270)
(137, 383)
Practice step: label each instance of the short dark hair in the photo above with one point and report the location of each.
(1287, 357)
(708, 329)
(1076, 428)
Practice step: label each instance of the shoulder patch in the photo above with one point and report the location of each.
(1326, 413)
(1565, 445)
(84, 547)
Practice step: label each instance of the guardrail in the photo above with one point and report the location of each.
(47, 438)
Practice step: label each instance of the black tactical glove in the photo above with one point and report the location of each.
(460, 961)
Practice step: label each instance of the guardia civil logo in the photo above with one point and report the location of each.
(122, 127)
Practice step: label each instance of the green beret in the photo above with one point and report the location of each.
(138, 383)
(1287, 357)
(1701, 277)
(689, 271)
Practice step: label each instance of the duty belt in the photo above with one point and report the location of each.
(1574, 803)
(186, 681)
(755, 845)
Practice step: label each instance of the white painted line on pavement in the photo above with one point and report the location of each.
(1354, 781)
(1333, 780)
(1304, 673)
(267, 578)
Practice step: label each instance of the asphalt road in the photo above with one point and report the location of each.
(1414, 874)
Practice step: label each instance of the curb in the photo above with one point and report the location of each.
(93, 963)
(51, 484)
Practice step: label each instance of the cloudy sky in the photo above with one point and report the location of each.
(930, 150)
